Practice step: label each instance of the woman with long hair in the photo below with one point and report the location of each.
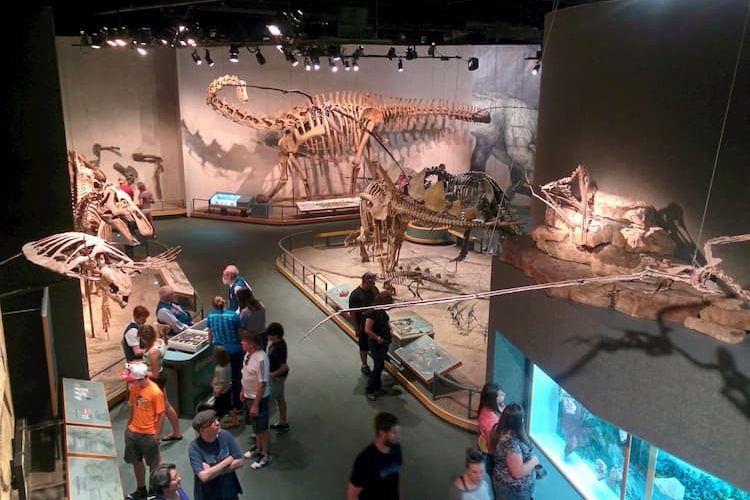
(378, 331)
(513, 476)
(224, 331)
(252, 314)
(491, 405)
(154, 348)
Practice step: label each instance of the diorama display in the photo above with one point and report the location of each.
(332, 126)
(602, 461)
(588, 232)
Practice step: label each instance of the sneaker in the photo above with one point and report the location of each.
(371, 397)
(366, 370)
(261, 462)
(252, 453)
(280, 426)
(139, 494)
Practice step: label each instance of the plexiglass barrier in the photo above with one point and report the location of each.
(594, 454)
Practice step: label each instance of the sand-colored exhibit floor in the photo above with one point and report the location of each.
(461, 328)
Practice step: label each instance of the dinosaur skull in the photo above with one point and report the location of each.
(116, 284)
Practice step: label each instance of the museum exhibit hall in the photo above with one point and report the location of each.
(376, 250)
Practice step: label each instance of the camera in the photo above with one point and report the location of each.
(540, 471)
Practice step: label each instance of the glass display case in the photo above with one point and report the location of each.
(593, 454)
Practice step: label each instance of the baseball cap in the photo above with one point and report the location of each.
(202, 418)
(369, 276)
(134, 371)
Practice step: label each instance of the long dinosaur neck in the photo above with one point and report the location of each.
(234, 113)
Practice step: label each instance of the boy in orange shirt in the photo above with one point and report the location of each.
(144, 426)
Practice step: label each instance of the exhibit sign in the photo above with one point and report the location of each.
(425, 358)
(85, 403)
(92, 478)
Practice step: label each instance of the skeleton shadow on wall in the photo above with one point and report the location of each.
(237, 158)
(736, 384)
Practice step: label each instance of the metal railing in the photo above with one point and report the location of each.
(436, 378)
(298, 268)
(320, 286)
(275, 210)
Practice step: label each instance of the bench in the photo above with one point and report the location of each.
(333, 234)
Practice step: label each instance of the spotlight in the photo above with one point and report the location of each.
(537, 67)
(181, 28)
(332, 64)
(359, 51)
(111, 42)
(308, 66)
(96, 41)
(411, 53)
(347, 66)
(183, 43)
(120, 42)
(164, 41)
(191, 42)
(355, 66)
(391, 54)
(400, 65)
(293, 60)
(316, 63)
(260, 57)
(234, 53)
(473, 64)
(142, 51)
(273, 29)
(431, 50)
(208, 59)
(196, 58)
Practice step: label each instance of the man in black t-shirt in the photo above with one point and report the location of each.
(376, 471)
(362, 296)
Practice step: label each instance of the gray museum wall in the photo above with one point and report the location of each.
(119, 98)
(637, 90)
(220, 155)
(36, 203)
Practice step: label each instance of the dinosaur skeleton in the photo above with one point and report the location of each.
(474, 195)
(99, 206)
(413, 279)
(385, 213)
(80, 255)
(333, 125)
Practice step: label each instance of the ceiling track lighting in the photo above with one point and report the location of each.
(355, 66)
(316, 63)
(537, 68)
(308, 65)
(273, 29)
(196, 58)
(431, 50)
(142, 51)
(473, 64)
(234, 53)
(208, 59)
(391, 54)
(347, 66)
(332, 64)
(400, 65)
(411, 53)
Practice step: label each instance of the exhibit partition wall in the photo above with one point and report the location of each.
(653, 98)
(121, 109)
(223, 156)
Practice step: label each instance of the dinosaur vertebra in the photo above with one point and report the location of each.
(333, 125)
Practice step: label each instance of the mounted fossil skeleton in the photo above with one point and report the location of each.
(80, 255)
(473, 195)
(385, 214)
(332, 126)
(413, 279)
(99, 206)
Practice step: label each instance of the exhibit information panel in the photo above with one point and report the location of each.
(96, 441)
(85, 403)
(590, 453)
(94, 479)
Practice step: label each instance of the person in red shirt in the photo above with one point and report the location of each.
(124, 186)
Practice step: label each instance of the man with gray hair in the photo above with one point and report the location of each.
(168, 312)
(231, 277)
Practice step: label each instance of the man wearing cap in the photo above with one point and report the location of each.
(144, 426)
(214, 458)
(362, 296)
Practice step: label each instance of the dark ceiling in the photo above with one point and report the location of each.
(355, 21)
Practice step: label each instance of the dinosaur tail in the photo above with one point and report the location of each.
(234, 113)
(412, 108)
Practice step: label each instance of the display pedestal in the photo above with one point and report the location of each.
(189, 378)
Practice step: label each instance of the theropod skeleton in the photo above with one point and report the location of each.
(332, 126)
(385, 213)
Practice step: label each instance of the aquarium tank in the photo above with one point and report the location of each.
(591, 453)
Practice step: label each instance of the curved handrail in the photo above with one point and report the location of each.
(452, 383)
